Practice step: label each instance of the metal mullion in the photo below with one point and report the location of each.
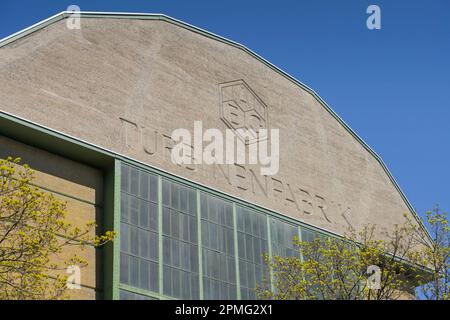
(301, 240)
(160, 238)
(236, 253)
(116, 228)
(200, 246)
(269, 246)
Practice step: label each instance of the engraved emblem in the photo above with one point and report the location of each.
(241, 108)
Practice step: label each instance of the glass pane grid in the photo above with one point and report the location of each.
(219, 267)
(180, 241)
(282, 238)
(139, 248)
(138, 228)
(252, 245)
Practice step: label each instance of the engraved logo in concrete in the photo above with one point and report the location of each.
(241, 108)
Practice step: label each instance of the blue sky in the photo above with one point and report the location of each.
(392, 86)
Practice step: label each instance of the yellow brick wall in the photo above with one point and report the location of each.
(81, 187)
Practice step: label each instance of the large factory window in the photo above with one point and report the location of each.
(167, 261)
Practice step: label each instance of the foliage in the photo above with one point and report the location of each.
(33, 234)
(338, 269)
(362, 266)
(435, 255)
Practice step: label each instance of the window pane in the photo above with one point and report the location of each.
(138, 217)
(153, 245)
(127, 295)
(124, 269)
(252, 244)
(153, 216)
(184, 199)
(174, 224)
(185, 285)
(125, 178)
(283, 237)
(166, 221)
(308, 235)
(192, 202)
(153, 188)
(167, 281)
(218, 251)
(134, 181)
(144, 274)
(175, 247)
(134, 271)
(143, 214)
(134, 242)
(124, 237)
(143, 244)
(166, 192)
(166, 251)
(175, 196)
(154, 276)
(134, 211)
(176, 292)
(144, 185)
(125, 207)
(180, 238)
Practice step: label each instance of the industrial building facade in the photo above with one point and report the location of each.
(92, 109)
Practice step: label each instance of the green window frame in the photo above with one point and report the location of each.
(223, 235)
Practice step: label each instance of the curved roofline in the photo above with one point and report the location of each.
(158, 16)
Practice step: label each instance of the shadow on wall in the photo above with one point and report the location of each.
(53, 165)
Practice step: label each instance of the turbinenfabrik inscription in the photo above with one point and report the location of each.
(246, 118)
(241, 108)
(245, 179)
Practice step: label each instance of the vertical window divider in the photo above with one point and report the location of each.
(200, 247)
(160, 237)
(269, 246)
(236, 253)
(116, 225)
(300, 239)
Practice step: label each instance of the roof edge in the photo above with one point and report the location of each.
(158, 16)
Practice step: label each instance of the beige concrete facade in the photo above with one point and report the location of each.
(126, 84)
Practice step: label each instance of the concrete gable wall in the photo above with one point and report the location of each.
(126, 84)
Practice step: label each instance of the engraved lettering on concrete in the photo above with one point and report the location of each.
(304, 200)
